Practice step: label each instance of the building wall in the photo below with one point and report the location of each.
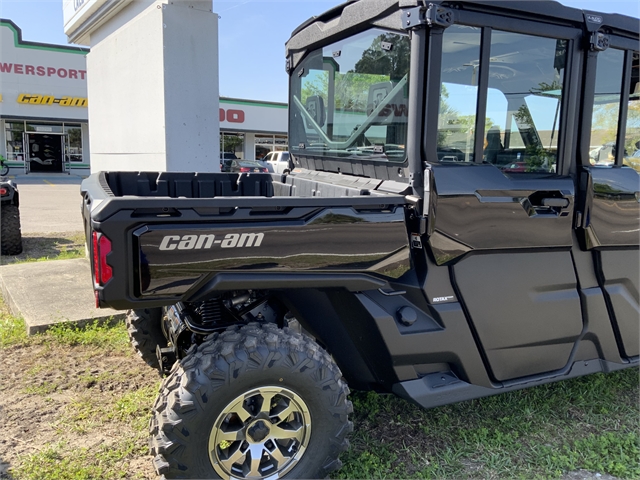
(253, 116)
(246, 117)
(41, 81)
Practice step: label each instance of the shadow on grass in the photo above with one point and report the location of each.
(42, 247)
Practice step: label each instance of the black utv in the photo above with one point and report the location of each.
(10, 235)
(444, 235)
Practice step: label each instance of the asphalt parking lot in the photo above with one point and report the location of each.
(49, 203)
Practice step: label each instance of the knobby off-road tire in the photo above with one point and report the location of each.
(145, 333)
(255, 389)
(10, 235)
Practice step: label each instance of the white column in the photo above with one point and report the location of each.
(249, 146)
(3, 140)
(86, 150)
(153, 90)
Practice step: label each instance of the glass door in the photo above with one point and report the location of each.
(27, 154)
(66, 157)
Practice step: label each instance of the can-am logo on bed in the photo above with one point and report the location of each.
(200, 242)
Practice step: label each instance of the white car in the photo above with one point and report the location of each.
(279, 161)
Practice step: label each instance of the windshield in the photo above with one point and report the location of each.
(349, 99)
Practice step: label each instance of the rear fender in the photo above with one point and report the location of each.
(341, 324)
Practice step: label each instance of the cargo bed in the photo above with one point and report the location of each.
(181, 230)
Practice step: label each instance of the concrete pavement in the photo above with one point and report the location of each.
(49, 203)
(45, 293)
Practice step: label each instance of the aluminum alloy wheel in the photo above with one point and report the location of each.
(262, 433)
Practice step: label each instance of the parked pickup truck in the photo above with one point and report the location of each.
(280, 162)
(399, 255)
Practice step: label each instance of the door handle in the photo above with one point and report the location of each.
(555, 202)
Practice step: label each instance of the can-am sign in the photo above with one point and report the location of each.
(40, 80)
(253, 116)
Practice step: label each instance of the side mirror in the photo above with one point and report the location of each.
(315, 108)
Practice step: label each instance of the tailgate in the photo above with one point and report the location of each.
(162, 255)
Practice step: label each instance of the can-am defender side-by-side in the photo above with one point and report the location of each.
(445, 234)
(10, 232)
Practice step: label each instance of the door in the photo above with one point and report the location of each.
(501, 210)
(610, 188)
(45, 152)
(66, 157)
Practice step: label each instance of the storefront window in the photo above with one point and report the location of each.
(74, 146)
(44, 127)
(270, 143)
(45, 141)
(13, 135)
(232, 143)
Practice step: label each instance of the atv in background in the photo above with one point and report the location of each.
(10, 236)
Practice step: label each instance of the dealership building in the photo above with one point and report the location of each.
(44, 110)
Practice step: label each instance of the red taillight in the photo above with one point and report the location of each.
(245, 169)
(3, 191)
(101, 248)
(105, 270)
(96, 259)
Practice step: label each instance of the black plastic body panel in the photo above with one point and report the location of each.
(611, 213)
(621, 276)
(334, 239)
(525, 309)
(477, 207)
(442, 388)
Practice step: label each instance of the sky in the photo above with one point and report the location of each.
(252, 34)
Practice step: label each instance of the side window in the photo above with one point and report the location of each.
(606, 111)
(632, 139)
(350, 99)
(526, 76)
(458, 93)
(523, 98)
(606, 107)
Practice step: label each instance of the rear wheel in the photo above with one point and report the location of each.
(4, 170)
(10, 235)
(145, 333)
(253, 402)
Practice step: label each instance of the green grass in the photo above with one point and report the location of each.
(132, 408)
(62, 246)
(98, 334)
(590, 423)
(12, 330)
(60, 462)
(63, 255)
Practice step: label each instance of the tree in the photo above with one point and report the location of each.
(228, 143)
(388, 55)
